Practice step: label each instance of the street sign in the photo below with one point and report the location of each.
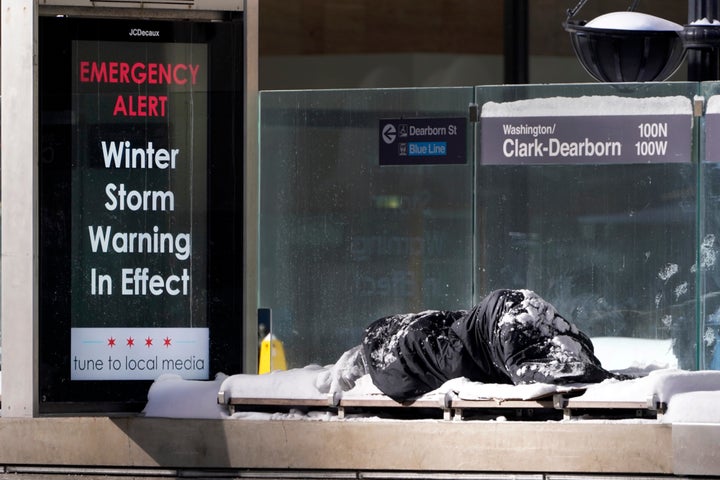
(423, 141)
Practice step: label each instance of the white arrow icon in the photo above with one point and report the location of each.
(389, 133)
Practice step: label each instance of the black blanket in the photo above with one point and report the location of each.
(512, 336)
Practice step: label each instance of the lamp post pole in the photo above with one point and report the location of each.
(516, 41)
(703, 63)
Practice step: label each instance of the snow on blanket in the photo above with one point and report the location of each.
(690, 396)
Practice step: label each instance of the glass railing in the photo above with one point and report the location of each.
(344, 239)
(374, 202)
(708, 326)
(593, 206)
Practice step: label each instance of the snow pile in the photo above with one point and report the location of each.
(589, 105)
(691, 397)
(293, 414)
(694, 407)
(297, 383)
(661, 385)
(706, 22)
(364, 387)
(713, 105)
(634, 355)
(495, 391)
(635, 21)
(173, 397)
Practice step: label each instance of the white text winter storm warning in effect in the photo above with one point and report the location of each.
(139, 279)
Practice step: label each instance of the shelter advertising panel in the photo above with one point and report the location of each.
(141, 200)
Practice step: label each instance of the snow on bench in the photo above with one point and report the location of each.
(238, 396)
(454, 400)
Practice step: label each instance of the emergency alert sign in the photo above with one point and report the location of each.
(139, 268)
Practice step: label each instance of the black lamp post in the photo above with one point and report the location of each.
(515, 41)
(702, 41)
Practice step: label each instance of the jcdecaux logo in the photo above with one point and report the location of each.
(139, 32)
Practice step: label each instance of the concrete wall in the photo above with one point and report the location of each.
(172, 447)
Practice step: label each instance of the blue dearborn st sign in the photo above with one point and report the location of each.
(423, 141)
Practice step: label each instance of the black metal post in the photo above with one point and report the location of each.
(703, 63)
(516, 41)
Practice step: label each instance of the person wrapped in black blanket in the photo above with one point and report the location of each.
(512, 337)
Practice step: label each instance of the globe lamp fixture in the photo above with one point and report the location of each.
(630, 46)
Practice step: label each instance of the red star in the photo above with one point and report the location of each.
(131, 342)
(148, 342)
(167, 341)
(111, 342)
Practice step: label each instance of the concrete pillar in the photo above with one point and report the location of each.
(251, 199)
(19, 150)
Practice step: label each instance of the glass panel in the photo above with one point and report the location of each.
(609, 240)
(344, 240)
(709, 281)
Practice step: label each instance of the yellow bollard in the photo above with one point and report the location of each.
(272, 355)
